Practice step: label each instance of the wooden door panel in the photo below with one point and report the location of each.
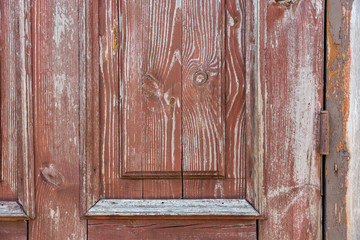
(203, 88)
(13, 230)
(172, 229)
(167, 99)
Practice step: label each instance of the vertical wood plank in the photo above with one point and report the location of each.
(203, 87)
(89, 104)
(235, 141)
(8, 94)
(25, 147)
(293, 56)
(131, 85)
(127, 135)
(56, 93)
(161, 87)
(109, 94)
(341, 188)
(234, 79)
(161, 98)
(16, 181)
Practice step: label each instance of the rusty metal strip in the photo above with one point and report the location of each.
(324, 133)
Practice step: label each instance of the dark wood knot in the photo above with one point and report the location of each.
(200, 77)
(150, 86)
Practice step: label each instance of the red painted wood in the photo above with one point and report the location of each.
(13, 230)
(203, 88)
(16, 157)
(56, 117)
(8, 184)
(171, 229)
(293, 60)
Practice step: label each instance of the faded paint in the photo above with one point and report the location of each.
(353, 129)
(338, 104)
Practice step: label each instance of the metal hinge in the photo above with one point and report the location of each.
(324, 133)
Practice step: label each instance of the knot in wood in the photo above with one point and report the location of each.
(172, 101)
(51, 175)
(200, 77)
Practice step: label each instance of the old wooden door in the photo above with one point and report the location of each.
(176, 119)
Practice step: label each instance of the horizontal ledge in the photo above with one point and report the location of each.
(179, 208)
(11, 211)
(172, 175)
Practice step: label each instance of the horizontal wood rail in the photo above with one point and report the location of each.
(179, 208)
(12, 211)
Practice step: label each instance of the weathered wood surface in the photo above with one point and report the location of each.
(203, 86)
(89, 110)
(175, 207)
(13, 230)
(342, 101)
(11, 211)
(16, 171)
(55, 43)
(142, 85)
(291, 52)
(8, 184)
(171, 229)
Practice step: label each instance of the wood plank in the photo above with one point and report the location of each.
(203, 88)
(172, 229)
(293, 56)
(89, 104)
(24, 108)
(9, 140)
(13, 230)
(128, 133)
(16, 157)
(176, 207)
(161, 99)
(235, 141)
(161, 89)
(131, 85)
(341, 187)
(233, 186)
(55, 40)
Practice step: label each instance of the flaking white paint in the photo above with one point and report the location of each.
(62, 24)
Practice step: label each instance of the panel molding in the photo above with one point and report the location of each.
(184, 208)
(90, 130)
(17, 103)
(12, 211)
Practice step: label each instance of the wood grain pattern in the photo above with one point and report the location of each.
(13, 230)
(233, 186)
(55, 37)
(153, 80)
(172, 229)
(89, 104)
(203, 87)
(25, 124)
(161, 88)
(341, 187)
(17, 182)
(9, 139)
(293, 60)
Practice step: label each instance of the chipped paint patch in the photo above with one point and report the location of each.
(62, 24)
